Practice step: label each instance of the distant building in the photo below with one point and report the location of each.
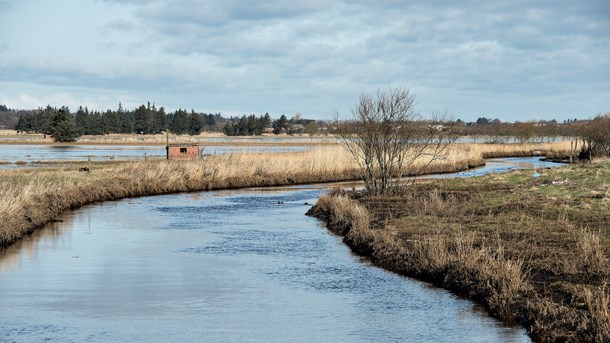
(182, 152)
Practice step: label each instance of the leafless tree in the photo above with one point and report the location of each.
(390, 141)
(595, 135)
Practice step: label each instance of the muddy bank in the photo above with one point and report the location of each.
(507, 242)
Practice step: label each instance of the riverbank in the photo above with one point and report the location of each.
(532, 250)
(30, 198)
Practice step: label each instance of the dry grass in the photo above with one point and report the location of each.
(532, 250)
(31, 198)
(561, 148)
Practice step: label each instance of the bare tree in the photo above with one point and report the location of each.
(595, 135)
(389, 141)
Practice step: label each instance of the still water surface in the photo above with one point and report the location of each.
(227, 266)
(40, 155)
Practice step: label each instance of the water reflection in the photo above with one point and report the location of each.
(52, 236)
(38, 155)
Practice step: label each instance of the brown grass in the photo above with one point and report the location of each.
(561, 148)
(31, 198)
(532, 251)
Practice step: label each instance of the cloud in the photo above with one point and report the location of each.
(58, 99)
(312, 56)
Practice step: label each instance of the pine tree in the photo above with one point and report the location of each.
(62, 126)
(280, 125)
(196, 123)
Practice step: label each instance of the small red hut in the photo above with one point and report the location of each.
(182, 152)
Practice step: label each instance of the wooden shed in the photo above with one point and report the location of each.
(182, 152)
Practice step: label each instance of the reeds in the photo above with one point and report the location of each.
(31, 198)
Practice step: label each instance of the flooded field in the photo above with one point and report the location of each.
(42, 155)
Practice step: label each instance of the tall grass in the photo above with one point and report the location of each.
(31, 198)
(561, 148)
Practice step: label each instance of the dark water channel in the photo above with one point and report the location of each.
(230, 266)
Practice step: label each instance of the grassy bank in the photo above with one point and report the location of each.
(533, 251)
(30, 198)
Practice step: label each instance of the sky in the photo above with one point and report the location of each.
(512, 60)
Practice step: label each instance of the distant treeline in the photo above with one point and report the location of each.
(252, 125)
(146, 119)
(150, 119)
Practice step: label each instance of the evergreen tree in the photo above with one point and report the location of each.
(141, 119)
(209, 120)
(159, 123)
(95, 124)
(127, 120)
(280, 125)
(62, 125)
(81, 118)
(196, 123)
(180, 122)
(111, 122)
(266, 121)
(26, 123)
(229, 129)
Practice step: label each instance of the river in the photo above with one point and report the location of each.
(226, 266)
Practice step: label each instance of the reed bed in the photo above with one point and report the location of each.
(30, 198)
(560, 148)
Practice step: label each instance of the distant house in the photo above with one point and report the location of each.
(182, 152)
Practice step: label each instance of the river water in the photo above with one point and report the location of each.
(227, 266)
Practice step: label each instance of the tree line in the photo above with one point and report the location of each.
(253, 126)
(145, 119)
(148, 119)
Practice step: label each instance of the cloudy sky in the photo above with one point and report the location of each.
(515, 60)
